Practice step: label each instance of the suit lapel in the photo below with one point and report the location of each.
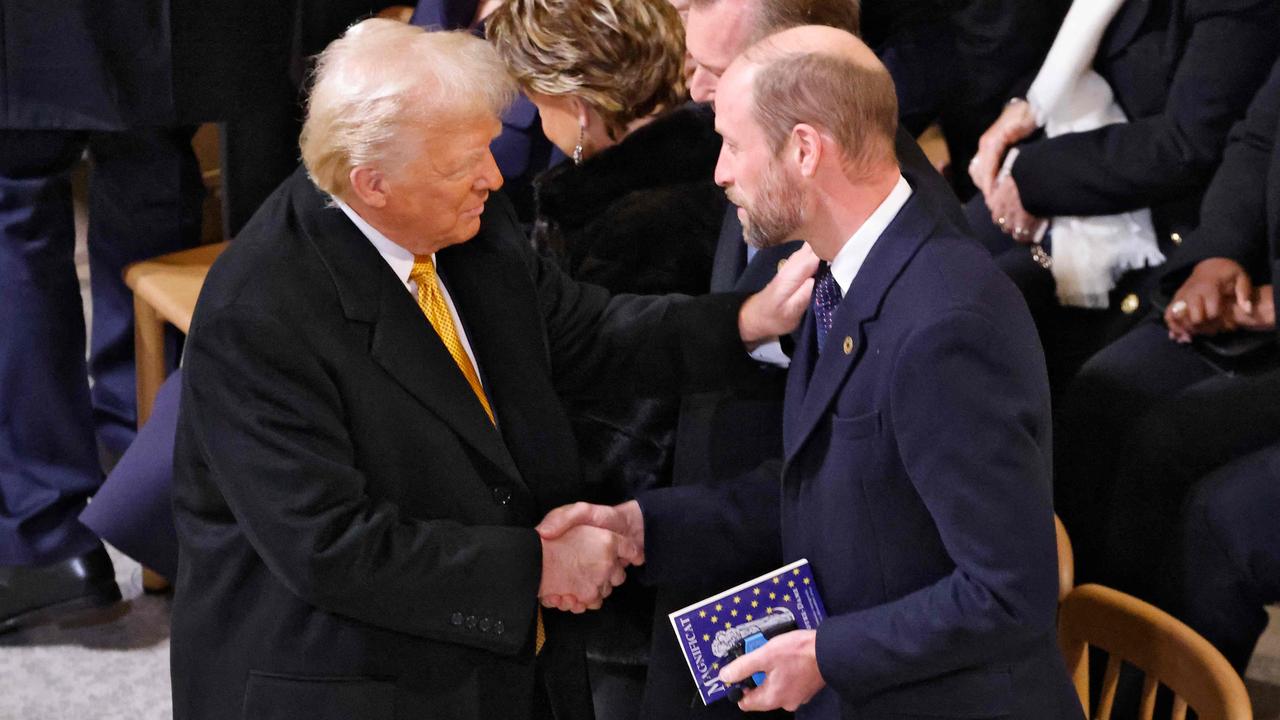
(808, 398)
(731, 252)
(403, 342)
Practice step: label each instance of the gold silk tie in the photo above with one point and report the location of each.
(431, 301)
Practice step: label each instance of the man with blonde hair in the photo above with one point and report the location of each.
(915, 473)
(370, 425)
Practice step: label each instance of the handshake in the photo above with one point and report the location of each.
(585, 551)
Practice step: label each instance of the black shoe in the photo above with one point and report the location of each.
(36, 595)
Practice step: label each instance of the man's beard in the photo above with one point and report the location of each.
(776, 213)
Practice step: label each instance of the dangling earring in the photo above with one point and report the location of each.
(577, 149)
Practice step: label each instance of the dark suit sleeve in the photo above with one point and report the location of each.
(1141, 163)
(969, 409)
(737, 523)
(269, 422)
(637, 344)
(1233, 221)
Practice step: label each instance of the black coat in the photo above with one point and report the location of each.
(639, 217)
(1183, 71)
(1240, 219)
(355, 535)
(95, 65)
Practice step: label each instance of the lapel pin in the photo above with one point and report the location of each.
(848, 345)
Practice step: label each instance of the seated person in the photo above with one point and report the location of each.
(1181, 395)
(637, 211)
(1135, 99)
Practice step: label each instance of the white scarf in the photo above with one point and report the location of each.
(1089, 253)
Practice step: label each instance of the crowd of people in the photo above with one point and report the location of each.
(576, 312)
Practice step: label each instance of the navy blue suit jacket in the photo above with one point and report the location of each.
(916, 480)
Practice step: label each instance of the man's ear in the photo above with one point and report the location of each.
(806, 147)
(369, 184)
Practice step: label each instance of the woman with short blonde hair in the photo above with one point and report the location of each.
(596, 67)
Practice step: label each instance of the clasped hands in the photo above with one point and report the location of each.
(585, 552)
(1219, 297)
(998, 188)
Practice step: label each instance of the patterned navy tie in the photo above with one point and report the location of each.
(826, 298)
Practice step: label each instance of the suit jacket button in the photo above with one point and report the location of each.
(485, 623)
(1176, 238)
(848, 345)
(1130, 304)
(501, 495)
(499, 628)
(471, 622)
(455, 619)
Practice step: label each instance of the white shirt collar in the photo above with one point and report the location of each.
(400, 259)
(846, 264)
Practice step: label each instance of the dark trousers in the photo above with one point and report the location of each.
(1143, 421)
(1226, 562)
(145, 192)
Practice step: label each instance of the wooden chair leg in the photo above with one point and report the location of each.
(148, 343)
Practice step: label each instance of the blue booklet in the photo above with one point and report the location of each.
(716, 631)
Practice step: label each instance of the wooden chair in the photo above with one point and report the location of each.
(1066, 560)
(1167, 651)
(164, 292)
(165, 289)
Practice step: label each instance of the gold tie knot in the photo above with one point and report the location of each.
(423, 269)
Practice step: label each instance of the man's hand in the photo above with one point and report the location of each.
(790, 664)
(1203, 305)
(778, 308)
(1005, 204)
(1014, 125)
(623, 522)
(582, 566)
(1262, 316)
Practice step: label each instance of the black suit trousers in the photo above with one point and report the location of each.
(1143, 421)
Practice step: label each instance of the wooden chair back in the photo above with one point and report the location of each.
(1166, 650)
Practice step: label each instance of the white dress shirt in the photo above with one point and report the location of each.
(401, 262)
(848, 261)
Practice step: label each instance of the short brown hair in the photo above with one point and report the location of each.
(777, 15)
(855, 103)
(625, 58)
(773, 16)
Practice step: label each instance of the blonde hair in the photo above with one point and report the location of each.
(624, 58)
(382, 76)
